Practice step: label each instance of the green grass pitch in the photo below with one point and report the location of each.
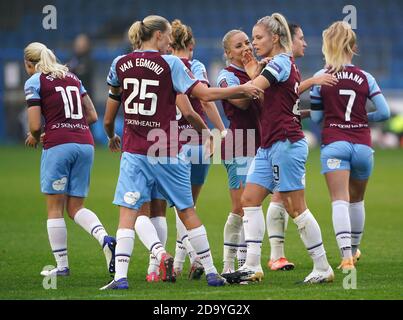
(25, 249)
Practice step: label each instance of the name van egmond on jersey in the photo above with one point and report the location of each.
(142, 62)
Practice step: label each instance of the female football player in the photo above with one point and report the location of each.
(277, 217)
(68, 150)
(147, 83)
(182, 45)
(346, 155)
(240, 145)
(280, 161)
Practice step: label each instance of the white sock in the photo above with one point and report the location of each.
(183, 236)
(342, 227)
(180, 254)
(276, 222)
(89, 221)
(189, 249)
(232, 233)
(124, 249)
(149, 236)
(180, 249)
(241, 253)
(253, 223)
(309, 231)
(357, 219)
(57, 233)
(160, 225)
(199, 241)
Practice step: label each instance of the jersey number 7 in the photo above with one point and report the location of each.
(350, 104)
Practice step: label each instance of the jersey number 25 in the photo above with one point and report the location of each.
(140, 87)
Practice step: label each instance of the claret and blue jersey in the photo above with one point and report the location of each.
(240, 146)
(150, 82)
(344, 106)
(279, 164)
(61, 107)
(68, 144)
(346, 135)
(280, 119)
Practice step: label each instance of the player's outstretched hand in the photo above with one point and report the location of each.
(251, 91)
(30, 141)
(114, 143)
(326, 79)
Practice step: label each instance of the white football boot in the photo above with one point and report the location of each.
(320, 276)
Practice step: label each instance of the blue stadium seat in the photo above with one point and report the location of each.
(379, 20)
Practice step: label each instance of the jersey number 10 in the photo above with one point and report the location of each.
(67, 96)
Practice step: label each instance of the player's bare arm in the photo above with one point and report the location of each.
(247, 90)
(184, 105)
(90, 113)
(35, 124)
(112, 108)
(211, 111)
(325, 79)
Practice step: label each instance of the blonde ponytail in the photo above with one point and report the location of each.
(135, 34)
(142, 31)
(277, 24)
(44, 60)
(182, 35)
(339, 44)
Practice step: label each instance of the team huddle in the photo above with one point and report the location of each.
(167, 147)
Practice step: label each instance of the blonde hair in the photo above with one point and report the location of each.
(182, 35)
(339, 42)
(277, 24)
(227, 37)
(226, 40)
(142, 31)
(44, 60)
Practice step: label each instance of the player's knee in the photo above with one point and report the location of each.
(144, 213)
(294, 207)
(55, 214)
(72, 210)
(155, 214)
(248, 201)
(356, 197)
(340, 196)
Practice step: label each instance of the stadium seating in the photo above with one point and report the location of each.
(210, 20)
